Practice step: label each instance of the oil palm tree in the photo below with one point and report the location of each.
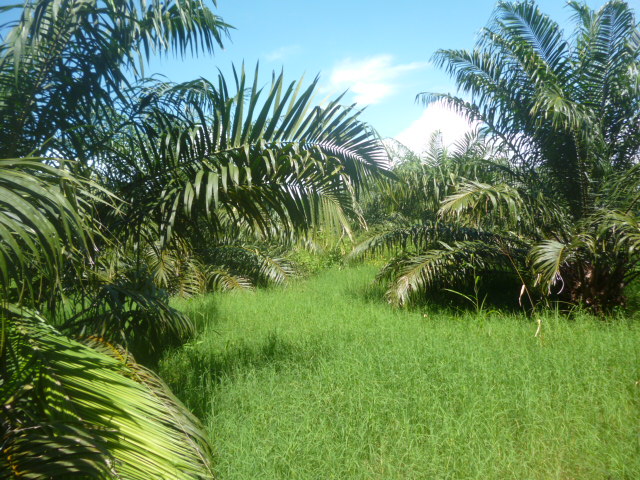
(76, 408)
(73, 408)
(106, 169)
(261, 157)
(198, 164)
(566, 111)
(62, 61)
(425, 244)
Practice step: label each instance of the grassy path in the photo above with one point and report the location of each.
(322, 380)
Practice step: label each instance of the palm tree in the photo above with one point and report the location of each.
(198, 165)
(76, 409)
(566, 111)
(424, 244)
(62, 61)
(73, 408)
(258, 157)
(99, 171)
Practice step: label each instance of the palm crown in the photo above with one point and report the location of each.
(565, 114)
(106, 176)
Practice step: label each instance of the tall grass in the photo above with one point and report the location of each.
(321, 380)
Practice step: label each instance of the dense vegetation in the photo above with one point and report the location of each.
(119, 191)
(554, 198)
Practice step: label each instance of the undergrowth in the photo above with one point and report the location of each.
(322, 380)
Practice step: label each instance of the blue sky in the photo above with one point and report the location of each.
(380, 51)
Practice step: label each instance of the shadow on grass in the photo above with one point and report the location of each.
(193, 372)
(372, 292)
(497, 293)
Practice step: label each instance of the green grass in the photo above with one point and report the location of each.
(321, 380)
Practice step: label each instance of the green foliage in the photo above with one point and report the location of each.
(322, 380)
(71, 409)
(559, 199)
(567, 109)
(44, 220)
(434, 241)
(274, 165)
(322, 250)
(65, 62)
(117, 191)
(87, 410)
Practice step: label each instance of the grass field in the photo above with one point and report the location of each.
(322, 380)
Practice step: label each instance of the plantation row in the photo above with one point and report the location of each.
(119, 191)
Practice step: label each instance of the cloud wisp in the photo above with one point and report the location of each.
(372, 79)
(282, 53)
(436, 117)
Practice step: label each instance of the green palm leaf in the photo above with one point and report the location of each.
(43, 220)
(258, 161)
(43, 109)
(547, 259)
(444, 266)
(476, 200)
(73, 411)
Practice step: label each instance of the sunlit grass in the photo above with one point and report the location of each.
(322, 380)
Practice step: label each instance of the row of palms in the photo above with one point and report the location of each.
(117, 190)
(551, 195)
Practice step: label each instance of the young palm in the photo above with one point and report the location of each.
(431, 249)
(566, 110)
(264, 158)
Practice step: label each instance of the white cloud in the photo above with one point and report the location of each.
(436, 116)
(282, 53)
(370, 80)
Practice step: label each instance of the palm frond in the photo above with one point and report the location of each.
(625, 227)
(44, 221)
(223, 280)
(524, 21)
(44, 107)
(257, 160)
(548, 259)
(413, 275)
(72, 411)
(130, 310)
(475, 201)
(249, 263)
(417, 238)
